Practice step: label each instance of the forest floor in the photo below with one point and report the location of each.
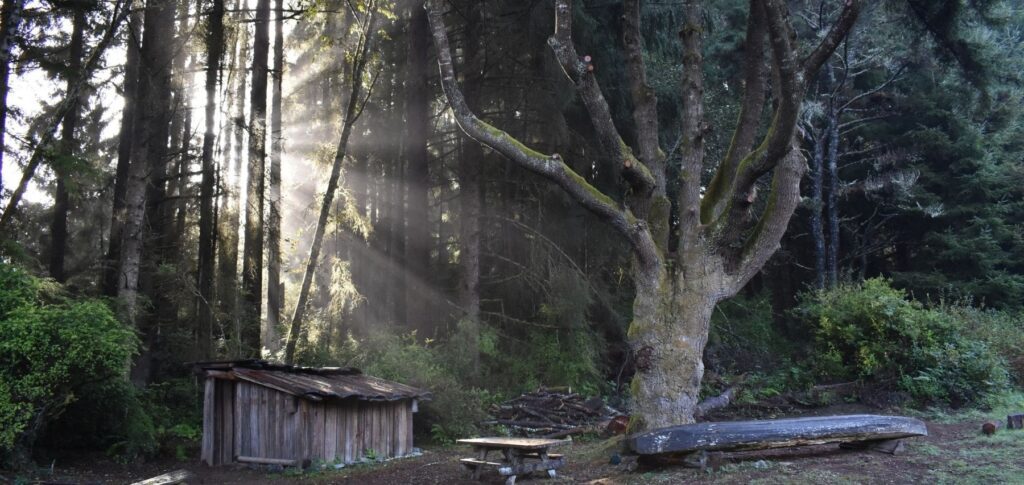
(955, 451)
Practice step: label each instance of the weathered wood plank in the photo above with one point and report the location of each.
(267, 461)
(207, 451)
(272, 424)
(218, 440)
(351, 432)
(780, 433)
(172, 478)
(236, 421)
(330, 432)
(410, 443)
(516, 443)
(360, 442)
(400, 429)
(255, 424)
(227, 407)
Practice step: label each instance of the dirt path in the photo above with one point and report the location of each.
(952, 453)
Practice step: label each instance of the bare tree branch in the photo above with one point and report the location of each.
(693, 126)
(645, 101)
(579, 69)
(828, 45)
(551, 167)
(744, 136)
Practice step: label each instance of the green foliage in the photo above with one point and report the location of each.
(562, 349)
(744, 337)
(52, 346)
(872, 331)
(455, 409)
(1003, 331)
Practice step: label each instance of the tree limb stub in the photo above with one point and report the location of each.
(551, 167)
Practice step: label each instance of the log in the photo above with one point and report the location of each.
(171, 478)
(780, 433)
(270, 461)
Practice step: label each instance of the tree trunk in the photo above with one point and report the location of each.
(124, 151)
(11, 18)
(817, 167)
(148, 151)
(470, 170)
(68, 150)
(275, 294)
(667, 336)
(831, 207)
(204, 275)
(227, 291)
(417, 179)
(351, 116)
(252, 258)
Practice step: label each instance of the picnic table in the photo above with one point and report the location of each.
(520, 456)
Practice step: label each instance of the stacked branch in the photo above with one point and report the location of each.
(549, 413)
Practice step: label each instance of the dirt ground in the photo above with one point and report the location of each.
(954, 452)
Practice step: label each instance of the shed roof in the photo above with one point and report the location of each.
(313, 383)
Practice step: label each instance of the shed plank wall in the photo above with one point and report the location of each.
(241, 418)
(209, 420)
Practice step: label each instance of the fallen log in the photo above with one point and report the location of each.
(779, 433)
(171, 478)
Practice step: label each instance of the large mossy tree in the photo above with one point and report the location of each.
(706, 246)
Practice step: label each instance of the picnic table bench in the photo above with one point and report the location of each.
(520, 456)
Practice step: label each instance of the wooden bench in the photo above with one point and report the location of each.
(861, 431)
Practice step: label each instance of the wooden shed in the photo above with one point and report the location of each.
(258, 412)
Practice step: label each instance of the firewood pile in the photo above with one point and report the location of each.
(552, 413)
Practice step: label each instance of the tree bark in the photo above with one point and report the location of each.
(68, 149)
(148, 148)
(470, 172)
(207, 236)
(816, 178)
(227, 291)
(252, 253)
(832, 205)
(133, 45)
(275, 294)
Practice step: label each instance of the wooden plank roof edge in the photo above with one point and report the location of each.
(261, 364)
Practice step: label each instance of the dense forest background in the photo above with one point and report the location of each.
(187, 181)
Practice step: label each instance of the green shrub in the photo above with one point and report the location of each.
(1003, 331)
(744, 337)
(52, 347)
(874, 332)
(455, 410)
